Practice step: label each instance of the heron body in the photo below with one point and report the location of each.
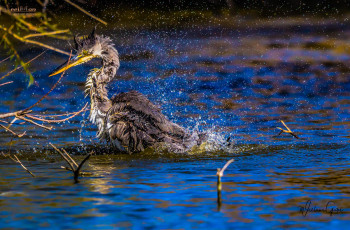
(129, 121)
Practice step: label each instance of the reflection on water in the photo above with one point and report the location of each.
(266, 186)
(228, 84)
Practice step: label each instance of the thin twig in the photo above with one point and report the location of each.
(24, 22)
(84, 11)
(6, 83)
(70, 158)
(66, 168)
(52, 88)
(80, 173)
(34, 123)
(19, 67)
(219, 174)
(76, 172)
(286, 126)
(32, 42)
(12, 122)
(57, 121)
(18, 161)
(45, 34)
(286, 131)
(23, 166)
(61, 115)
(64, 157)
(15, 134)
(5, 59)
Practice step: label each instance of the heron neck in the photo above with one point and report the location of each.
(97, 82)
(100, 103)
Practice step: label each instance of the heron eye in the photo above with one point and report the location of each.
(85, 52)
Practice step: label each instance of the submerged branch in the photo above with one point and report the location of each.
(74, 167)
(77, 171)
(287, 130)
(12, 132)
(23, 166)
(70, 158)
(18, 161)
(64, 157)
(219, 174)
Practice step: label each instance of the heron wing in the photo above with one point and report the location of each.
(137, 123)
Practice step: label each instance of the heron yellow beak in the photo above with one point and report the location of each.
(77, 60)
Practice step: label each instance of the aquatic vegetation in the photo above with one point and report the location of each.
(24, 28)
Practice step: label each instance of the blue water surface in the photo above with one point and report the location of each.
(227, 84)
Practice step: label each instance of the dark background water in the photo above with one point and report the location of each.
(228, 82)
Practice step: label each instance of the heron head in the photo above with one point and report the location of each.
(88, 48)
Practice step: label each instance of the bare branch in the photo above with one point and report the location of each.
(5, 59)
(23, 166)
(52, 88)
(19, 67)
(286, 131)
(84, 11)
(76, 172)
(58, 121)
(34, 123)
(75, 163)
(32, 42)
(6, 83)
(9, 130)
(13, 114)
(64, 157)
(45, 34)
(18, 161)
(69, 160)
(221, 172)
